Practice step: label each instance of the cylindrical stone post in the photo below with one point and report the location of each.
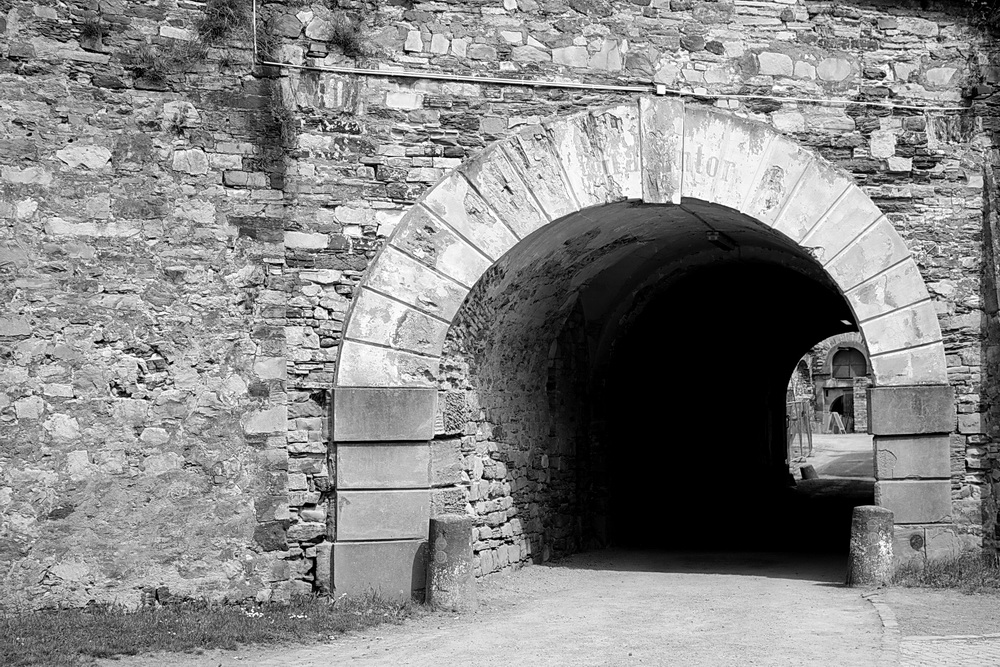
(451, 581)
(870, 559)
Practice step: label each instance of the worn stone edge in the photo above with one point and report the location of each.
(889, 651)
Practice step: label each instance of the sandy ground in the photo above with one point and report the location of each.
(629, 608)
(620, 608)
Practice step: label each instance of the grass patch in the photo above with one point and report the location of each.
(970, 573)
(74, 636)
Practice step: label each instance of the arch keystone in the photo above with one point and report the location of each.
(661, 124)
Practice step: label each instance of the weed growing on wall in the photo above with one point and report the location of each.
(348, 36)
(224, 19)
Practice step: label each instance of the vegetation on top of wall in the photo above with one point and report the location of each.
(225, 18)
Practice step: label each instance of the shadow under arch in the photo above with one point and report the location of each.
(657, 154)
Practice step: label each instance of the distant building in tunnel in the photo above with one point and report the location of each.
(834, 376)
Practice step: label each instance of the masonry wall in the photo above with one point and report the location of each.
(183, 232)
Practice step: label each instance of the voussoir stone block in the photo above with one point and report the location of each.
(875, 250)
(363, 414)
(717, 150)
(780, 172)
(382, 515)
(915, 501)
(394, 569)
(899, 286)
(908, 327)
(912, 456)
(506, 193)
(533, 156)
(366, 365)
(911, 410)
(912, 366)
(575, 142)
(454, 200)
(662, 128)
(424, 237)
(378, 319)
(399, 465)
(416, 284)
(851, 214)
(818, 190)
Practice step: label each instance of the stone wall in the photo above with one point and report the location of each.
(183, 235)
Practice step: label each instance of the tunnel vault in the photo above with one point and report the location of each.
(641, 159)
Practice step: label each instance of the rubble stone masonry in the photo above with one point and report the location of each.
(183, 231)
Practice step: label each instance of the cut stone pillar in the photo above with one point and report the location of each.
(870, 559)
(451, 583)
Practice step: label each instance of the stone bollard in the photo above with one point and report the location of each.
(870, 559)
(808, 472)
(451, 582)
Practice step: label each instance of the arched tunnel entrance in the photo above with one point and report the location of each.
(548, 341)
(627, 367)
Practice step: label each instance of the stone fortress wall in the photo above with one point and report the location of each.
(184, 233)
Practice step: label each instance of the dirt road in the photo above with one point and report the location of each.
(621, 608)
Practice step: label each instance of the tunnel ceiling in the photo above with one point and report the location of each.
(616, 259)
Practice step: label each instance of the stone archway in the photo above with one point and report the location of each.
(658, 151)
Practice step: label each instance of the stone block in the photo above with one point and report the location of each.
(272, 420)
(533, 157)
(365, 365)
(901, 457)
(416, 284)
(446, 461)
(496, 180)
(850, 215)
(361, 414)
(942, 541)
(780, 171)
(382, 515)
(915, 501)
(874, 251)
(662, 127)
(402, 465)
(834, 69)
(394, 569)
(717, 148)
(378, 319)
(908, 544)
(970, 423)
(465, 211)
(421, 235)
(900, 286)
(614, 132)
(907, 327)
(922, 366)
(911, 410)
(775, 64)
(306, 241)
(807, 205)
(575, 141)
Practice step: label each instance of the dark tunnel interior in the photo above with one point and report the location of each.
(696, 420)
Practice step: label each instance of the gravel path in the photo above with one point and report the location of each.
(620, 608)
